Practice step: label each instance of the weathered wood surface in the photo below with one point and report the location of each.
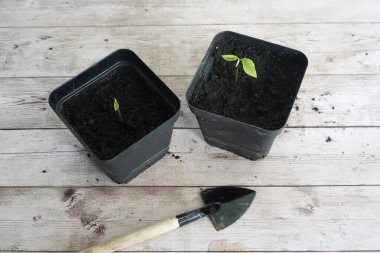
(313, 194)
(299, 157)
(47, 13)
(342, 100)
(280, 219)
(178, 50)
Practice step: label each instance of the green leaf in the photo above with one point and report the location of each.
(230, 57)
(249, 67)
(115, 104)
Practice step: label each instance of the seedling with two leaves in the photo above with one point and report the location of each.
(248, 65)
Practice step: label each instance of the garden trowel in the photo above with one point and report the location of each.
(224, 205)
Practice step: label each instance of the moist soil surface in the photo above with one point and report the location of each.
(264, 102)
(91, 112)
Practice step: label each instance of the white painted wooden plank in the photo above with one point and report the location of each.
(290, 218)
(178, 50)
(342, 100)
(280, 219)
(168, 12)
(298, 157)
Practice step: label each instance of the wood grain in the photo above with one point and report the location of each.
(125, 241)
(312, 194)
(280, 219)
(178, 50)
(342, 100)
(224, 246)
(168, 12)
(299, 157)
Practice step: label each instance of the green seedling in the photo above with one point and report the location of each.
(248, 65)
(117, 109)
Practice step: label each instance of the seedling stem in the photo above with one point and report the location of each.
(117, 109)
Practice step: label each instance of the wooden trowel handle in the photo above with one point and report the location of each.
(135, 237)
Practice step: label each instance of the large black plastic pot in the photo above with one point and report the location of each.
(244, 139)
(150, 148)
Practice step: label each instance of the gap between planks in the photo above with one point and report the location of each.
(237, 251)
(314, 251)
(190, 128)
(187, 25)
(185, 186)
(174, 75)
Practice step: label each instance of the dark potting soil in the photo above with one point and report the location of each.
(264, 102)
(91, 111)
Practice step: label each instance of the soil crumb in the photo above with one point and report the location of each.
(174, 155)
(100, 230)
(67, 194)
(307, 210)
(37, 218)
(45, 37)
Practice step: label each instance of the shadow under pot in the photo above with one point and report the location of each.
(121, 112)
(237, 111)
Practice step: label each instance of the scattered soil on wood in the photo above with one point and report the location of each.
(174, 155)
(67, 194)
(77, 208)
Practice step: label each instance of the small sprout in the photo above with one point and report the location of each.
(117, 109)
(248, 65)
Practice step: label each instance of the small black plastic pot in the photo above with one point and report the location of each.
(241, 138)
(146, 151)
